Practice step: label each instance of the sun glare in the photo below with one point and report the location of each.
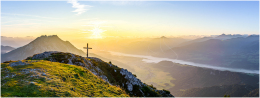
(97, 33)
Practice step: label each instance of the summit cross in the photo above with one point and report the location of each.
(87, 49)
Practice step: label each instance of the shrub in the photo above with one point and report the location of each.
(152, 86)
(166, 91)
(8, 61)
(10, 68)
(150, 93)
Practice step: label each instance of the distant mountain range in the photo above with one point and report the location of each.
(39, 45)
(5, 49)
(239, 52)
(220, 37)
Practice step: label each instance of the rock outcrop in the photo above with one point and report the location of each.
(17, 63)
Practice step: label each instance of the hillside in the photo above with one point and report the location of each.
(187, 77)
(39, 45)
(40, 78)
(220, 91)
(109, 73)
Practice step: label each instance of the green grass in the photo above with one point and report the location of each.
(60, 80)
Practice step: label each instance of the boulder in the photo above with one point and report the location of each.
(17, 63)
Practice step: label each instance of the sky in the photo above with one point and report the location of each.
(100, 19)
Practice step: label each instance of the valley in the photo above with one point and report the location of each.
(179, 77)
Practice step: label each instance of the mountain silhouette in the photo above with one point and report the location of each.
(5, 49)
(39, 45)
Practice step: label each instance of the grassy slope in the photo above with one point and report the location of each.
(112, 73)
(60, 80)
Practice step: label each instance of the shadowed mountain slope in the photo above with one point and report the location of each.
(237, 52)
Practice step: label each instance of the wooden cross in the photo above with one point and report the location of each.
(87, 49)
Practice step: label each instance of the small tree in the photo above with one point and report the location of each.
(226, 95)
(166, 91)
(135, 75)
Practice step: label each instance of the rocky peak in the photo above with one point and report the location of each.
(39, 45)
(49, 38)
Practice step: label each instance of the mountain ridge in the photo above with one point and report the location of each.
(39, 45)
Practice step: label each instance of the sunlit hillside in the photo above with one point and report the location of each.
(52, 79)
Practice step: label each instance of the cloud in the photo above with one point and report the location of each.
(80, 8)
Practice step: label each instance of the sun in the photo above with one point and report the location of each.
(97, 33)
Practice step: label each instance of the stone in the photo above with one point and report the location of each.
(129, 87)
(43, 55)
(43, 74)
(70, 62)
(132, 80)
(32, 82)
(17, 63)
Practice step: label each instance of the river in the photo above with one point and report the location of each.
(151, 59)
